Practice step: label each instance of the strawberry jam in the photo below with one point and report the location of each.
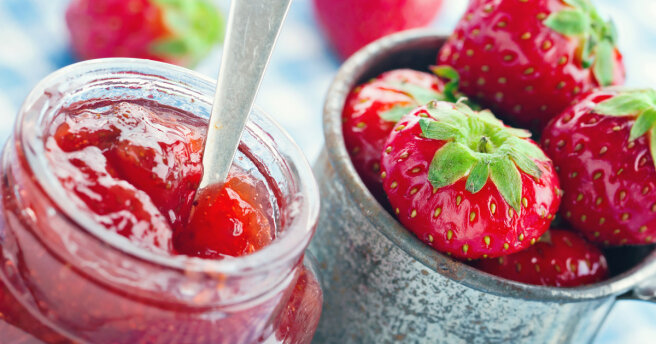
(133, 168)
(136, 167)
(225, 221)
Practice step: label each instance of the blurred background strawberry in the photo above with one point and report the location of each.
(351, 24)
(174, 31)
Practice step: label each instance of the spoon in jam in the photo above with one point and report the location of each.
(253, 27)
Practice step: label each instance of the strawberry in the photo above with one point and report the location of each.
(560, 258)
(604, 149)
(527, 60)
(350, 25)
(374, 107)
(467, 185)
(174, 31)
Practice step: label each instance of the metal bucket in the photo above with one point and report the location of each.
(383, 285)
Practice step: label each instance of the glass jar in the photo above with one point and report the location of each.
(66, 278)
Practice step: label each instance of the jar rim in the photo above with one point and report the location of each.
(288, 246)
(359, 66)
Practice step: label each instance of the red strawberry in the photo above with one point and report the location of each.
(175, 31)
(374, 107)
(350, 25)
(559, 259)
(527, 60)
(604, 148)
(466, 184)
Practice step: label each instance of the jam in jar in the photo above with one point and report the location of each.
(104, 240)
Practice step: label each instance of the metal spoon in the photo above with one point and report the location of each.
(253, 27)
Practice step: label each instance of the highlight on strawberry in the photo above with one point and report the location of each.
(604, 147)
(528, 60)
(372, 109)
(560, 258)
(466, 184)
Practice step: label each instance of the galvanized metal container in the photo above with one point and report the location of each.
(383, 285)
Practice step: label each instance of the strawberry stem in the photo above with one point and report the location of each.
(485, 145)
(478, 147)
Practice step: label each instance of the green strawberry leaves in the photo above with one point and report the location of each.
(643, 123)
(478, 177)
(196, 25)
(422, 96)
(598, 38)
(627, 103)
(640, 104)
(526, 164)
(396, 112)
(505, 176)
(451, 93)
(480, 147)
(439, 130)
(488, 116)
(453, 81)
(569, 22)
(419, 94)
(526, 148)
(451, 162)
(604, 66)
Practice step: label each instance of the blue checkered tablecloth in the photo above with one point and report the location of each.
(34, 42)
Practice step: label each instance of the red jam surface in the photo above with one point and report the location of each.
(135, 166)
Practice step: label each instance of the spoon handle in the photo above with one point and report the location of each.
(253, 27)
